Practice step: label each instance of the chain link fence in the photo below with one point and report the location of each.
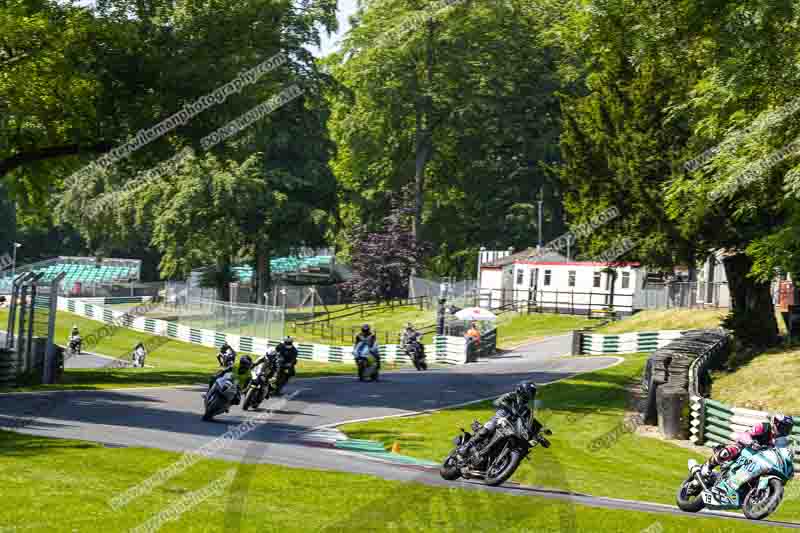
(462, 293)
(223, 317)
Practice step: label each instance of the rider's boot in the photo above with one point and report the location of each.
(469, 450)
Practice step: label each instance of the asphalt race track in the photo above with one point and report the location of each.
(296, 430)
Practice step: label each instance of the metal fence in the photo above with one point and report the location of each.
(223, 317)
(461, 293)
(559, 302)
(114, 289)
(694, 294)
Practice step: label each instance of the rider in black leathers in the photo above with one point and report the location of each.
(512, 405)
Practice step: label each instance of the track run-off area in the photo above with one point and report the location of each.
(297, 430)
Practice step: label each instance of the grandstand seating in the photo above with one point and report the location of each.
(87, 274)
(283, 265)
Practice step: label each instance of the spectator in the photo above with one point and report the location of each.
(473, 334)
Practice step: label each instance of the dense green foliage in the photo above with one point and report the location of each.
(481, 108)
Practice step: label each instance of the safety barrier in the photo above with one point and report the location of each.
(113, 300)
(714, 423)
(449, 350)
(640, 341)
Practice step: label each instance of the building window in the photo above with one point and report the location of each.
(547, 277)
(596, 282)
(626, 280)
(571, 282)
(520, 274)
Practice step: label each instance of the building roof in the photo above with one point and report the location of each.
(530, 256)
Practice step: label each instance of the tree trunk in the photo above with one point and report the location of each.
(753, 313)
(261, 280)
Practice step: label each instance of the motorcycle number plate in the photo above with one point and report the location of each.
(709, 499)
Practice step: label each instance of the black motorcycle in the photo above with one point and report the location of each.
(416, 352)
(280, 373)
(501, 454)
(257, 389)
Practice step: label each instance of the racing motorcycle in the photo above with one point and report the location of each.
(74, 346)
(501, 454)
(753, 482)
(416, 352)
(366, 362)
(279, 376)
(220, 396)
(258, 388)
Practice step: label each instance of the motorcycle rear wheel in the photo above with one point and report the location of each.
(689, 503)
(449, 470)
(509, 466)
(766, 506)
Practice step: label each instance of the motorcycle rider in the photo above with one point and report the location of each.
(75, 336)
(139, 354)
(511, 405)
(761, 435)
(287, 351)
(227, 364)
(411, 338)
(226, 355)
(366, 335)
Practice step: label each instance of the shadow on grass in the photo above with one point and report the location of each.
(21, 445)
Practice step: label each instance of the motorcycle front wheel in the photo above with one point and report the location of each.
(690, 499)
(249, 398)
(212, 408)
(757, 505)
(449, 469)
(500, 470)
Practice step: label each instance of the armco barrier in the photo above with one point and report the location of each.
(449, 350)
(641, 341)
(714, 423)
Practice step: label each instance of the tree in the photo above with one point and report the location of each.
(459, 103)
(383, 260)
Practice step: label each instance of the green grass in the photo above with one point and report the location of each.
(767, 383)
(514, 329)
(578, 411)
(174, 362)
(75, 480)
(383, 320)
(665, 319)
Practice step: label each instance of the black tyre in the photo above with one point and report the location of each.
(250, 399)
(423, 364)
(212, 409)
(690, 499)
(449, 469)
(360, 372)
(757, 505)
(374, 376)
(497, 474)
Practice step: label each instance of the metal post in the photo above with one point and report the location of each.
(48, 373)
(540, 218)
(14, 260)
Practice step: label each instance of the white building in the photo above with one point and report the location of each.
(551, 282)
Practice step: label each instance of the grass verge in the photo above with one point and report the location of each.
(514, 329)
(578, 410)
(82, 477)
(660, 319)
(174, 362)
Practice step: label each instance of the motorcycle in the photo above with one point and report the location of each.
(366, 361)
(138, 357)
(416, 352)
(220, 396)
(753, 482)
(258, 388)
(74, 346)
(280, 374)
(500, 456)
